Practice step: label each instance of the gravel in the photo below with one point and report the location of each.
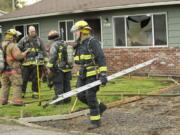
(150, 116)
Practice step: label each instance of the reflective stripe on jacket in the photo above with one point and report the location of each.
(89, 55)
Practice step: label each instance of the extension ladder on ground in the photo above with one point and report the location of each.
(98, 82)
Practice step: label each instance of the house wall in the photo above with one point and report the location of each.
(121, 58)
(48, 23)
(173, 21)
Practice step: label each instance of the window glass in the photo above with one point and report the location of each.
(139, 30)
(160, 33)
(119, 28)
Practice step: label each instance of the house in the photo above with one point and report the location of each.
(131, 32)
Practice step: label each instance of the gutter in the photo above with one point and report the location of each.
(93, 10)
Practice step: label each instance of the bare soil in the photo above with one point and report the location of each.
(150, 116)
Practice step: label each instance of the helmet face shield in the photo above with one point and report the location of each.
(74, 28)
(82, 26)
(18, 33)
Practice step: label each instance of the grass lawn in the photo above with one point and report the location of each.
(120, 85)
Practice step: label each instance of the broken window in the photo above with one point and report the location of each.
(139, 31)
(65, 30)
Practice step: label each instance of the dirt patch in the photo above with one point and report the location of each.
(150, 116)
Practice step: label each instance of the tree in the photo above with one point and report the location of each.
(7, 5)
(19, 4)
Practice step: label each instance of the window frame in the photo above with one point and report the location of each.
(153, 35)
(66, 29)
(1, 38)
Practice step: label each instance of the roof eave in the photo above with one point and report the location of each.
(95, 9)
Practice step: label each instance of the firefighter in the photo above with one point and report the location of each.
(59, 66)
(90, 57)
(29, 65)
(11, 74)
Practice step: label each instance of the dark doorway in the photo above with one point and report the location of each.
(95, 24)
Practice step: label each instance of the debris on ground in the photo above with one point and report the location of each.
(150, 116)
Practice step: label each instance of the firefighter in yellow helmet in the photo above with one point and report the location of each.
(89, 55)
(11, 75)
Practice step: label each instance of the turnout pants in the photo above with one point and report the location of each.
(30, 73)
(14, 80)
(61, 81)
(89, 98)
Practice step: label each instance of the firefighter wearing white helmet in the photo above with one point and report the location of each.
(11, 75)
(89, 55)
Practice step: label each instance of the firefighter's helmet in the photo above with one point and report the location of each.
(82, 26)
(12, 33)
(53, 34)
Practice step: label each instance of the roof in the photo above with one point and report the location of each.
(60, 7)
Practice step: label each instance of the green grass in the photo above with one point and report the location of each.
(121, 85)
(8, 122)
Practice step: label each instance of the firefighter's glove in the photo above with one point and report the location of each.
(103, 78)
(82, 73)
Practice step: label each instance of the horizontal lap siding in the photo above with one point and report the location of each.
(173, 23)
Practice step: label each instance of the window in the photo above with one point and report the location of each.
(65, 30)
(0, 33)
(120, 31)
(21, 29)
(160, 33)
(24, 29)
(140, 30)
(36, 27)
